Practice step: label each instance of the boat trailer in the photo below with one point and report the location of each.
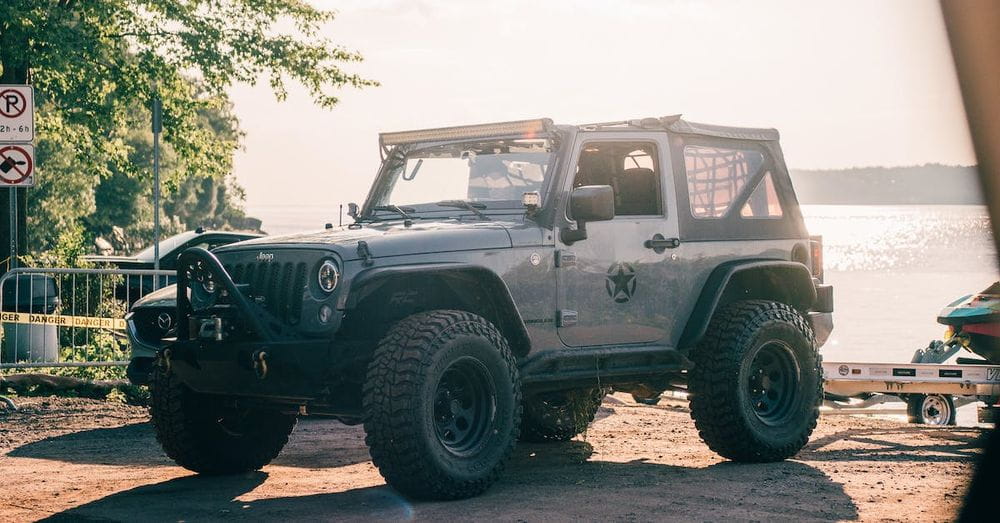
(932, 391)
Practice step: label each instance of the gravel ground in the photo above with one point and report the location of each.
(81, 459)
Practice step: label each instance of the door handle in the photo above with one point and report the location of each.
(659, 244)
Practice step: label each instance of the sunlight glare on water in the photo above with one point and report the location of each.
(949, 238)
(893, 268)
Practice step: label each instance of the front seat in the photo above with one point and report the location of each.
(636, 192)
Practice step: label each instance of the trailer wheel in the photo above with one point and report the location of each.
(931, 409)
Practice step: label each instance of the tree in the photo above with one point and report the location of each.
(96, 63)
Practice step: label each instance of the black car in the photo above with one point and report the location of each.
(173, 246)
(133, 287)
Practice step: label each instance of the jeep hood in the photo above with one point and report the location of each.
(391, 238)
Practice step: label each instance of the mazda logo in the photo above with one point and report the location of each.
(164, 321)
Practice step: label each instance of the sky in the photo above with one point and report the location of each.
(847, 83)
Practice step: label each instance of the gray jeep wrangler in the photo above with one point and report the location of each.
(498, 281)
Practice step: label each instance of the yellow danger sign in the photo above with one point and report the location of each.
(87, 322)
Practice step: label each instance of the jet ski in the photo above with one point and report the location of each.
(974, 323)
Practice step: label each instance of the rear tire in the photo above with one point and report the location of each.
(559, 416)
(930, 409)
(201, 434)
(442, 401)
(756, 385)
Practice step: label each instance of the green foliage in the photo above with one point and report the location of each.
(92, 61)
(95, 64)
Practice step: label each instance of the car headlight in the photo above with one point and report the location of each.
(328, 276)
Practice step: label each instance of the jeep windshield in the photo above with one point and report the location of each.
(474, 176)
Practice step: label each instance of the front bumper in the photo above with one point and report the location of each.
(237, 347)
(291, 370)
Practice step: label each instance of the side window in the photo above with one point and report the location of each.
(715, 177)
(630, 168)
(763, 201)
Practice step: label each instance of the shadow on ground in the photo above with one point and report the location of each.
(943, 444)
(543, 481)
(316, 443)
(556, 481)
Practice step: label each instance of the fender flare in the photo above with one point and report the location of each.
(791, 282)
(511, 323)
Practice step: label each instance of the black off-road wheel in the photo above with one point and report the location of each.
(930, 409)
(558, 416)
(442, 402)
(202, 434)
(756, 385)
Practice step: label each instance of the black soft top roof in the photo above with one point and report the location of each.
(541, 126)
(723, 131)
(676, 124)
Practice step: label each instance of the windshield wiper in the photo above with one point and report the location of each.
(402, 211)
(473, 207)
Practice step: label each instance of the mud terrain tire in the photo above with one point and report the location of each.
(442, 402)
(558, 416)
(202, 435)
(756, 385)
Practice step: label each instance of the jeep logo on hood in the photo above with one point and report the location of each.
(265, 256)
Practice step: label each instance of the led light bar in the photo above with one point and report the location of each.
(522, 128)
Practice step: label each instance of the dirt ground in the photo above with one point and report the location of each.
(82, 459)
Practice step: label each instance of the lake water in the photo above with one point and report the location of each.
(893, 268)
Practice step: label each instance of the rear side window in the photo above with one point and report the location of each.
(716, 177)
(763, 201)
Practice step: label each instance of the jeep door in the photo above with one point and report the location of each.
(612, 287)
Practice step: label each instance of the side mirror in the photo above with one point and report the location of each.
(590, 203)
(352, 210)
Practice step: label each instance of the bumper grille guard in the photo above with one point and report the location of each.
(196, 260)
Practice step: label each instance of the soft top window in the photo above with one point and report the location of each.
(763, 201)
(716, 176)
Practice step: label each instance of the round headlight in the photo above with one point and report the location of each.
(328, 276)
(209, 285)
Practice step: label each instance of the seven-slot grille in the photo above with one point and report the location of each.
(276, 286)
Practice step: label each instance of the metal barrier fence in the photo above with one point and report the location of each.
(70, 317)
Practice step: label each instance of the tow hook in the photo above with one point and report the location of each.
(259, 360)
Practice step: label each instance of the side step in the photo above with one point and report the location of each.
(564, 368)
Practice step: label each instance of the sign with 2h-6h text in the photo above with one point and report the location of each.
(17, 130)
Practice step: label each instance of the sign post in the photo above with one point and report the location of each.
(157, 129)
(17, 154)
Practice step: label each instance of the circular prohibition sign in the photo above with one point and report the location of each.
(15, 164)
(16, 108)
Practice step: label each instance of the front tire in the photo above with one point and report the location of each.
(442, 401)
(559, 416)
(202, 434)
(930, 409)
(756, 385)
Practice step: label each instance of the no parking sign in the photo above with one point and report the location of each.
(17, 113)
(17, 124)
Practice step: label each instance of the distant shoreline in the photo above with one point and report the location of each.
(931, 184)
